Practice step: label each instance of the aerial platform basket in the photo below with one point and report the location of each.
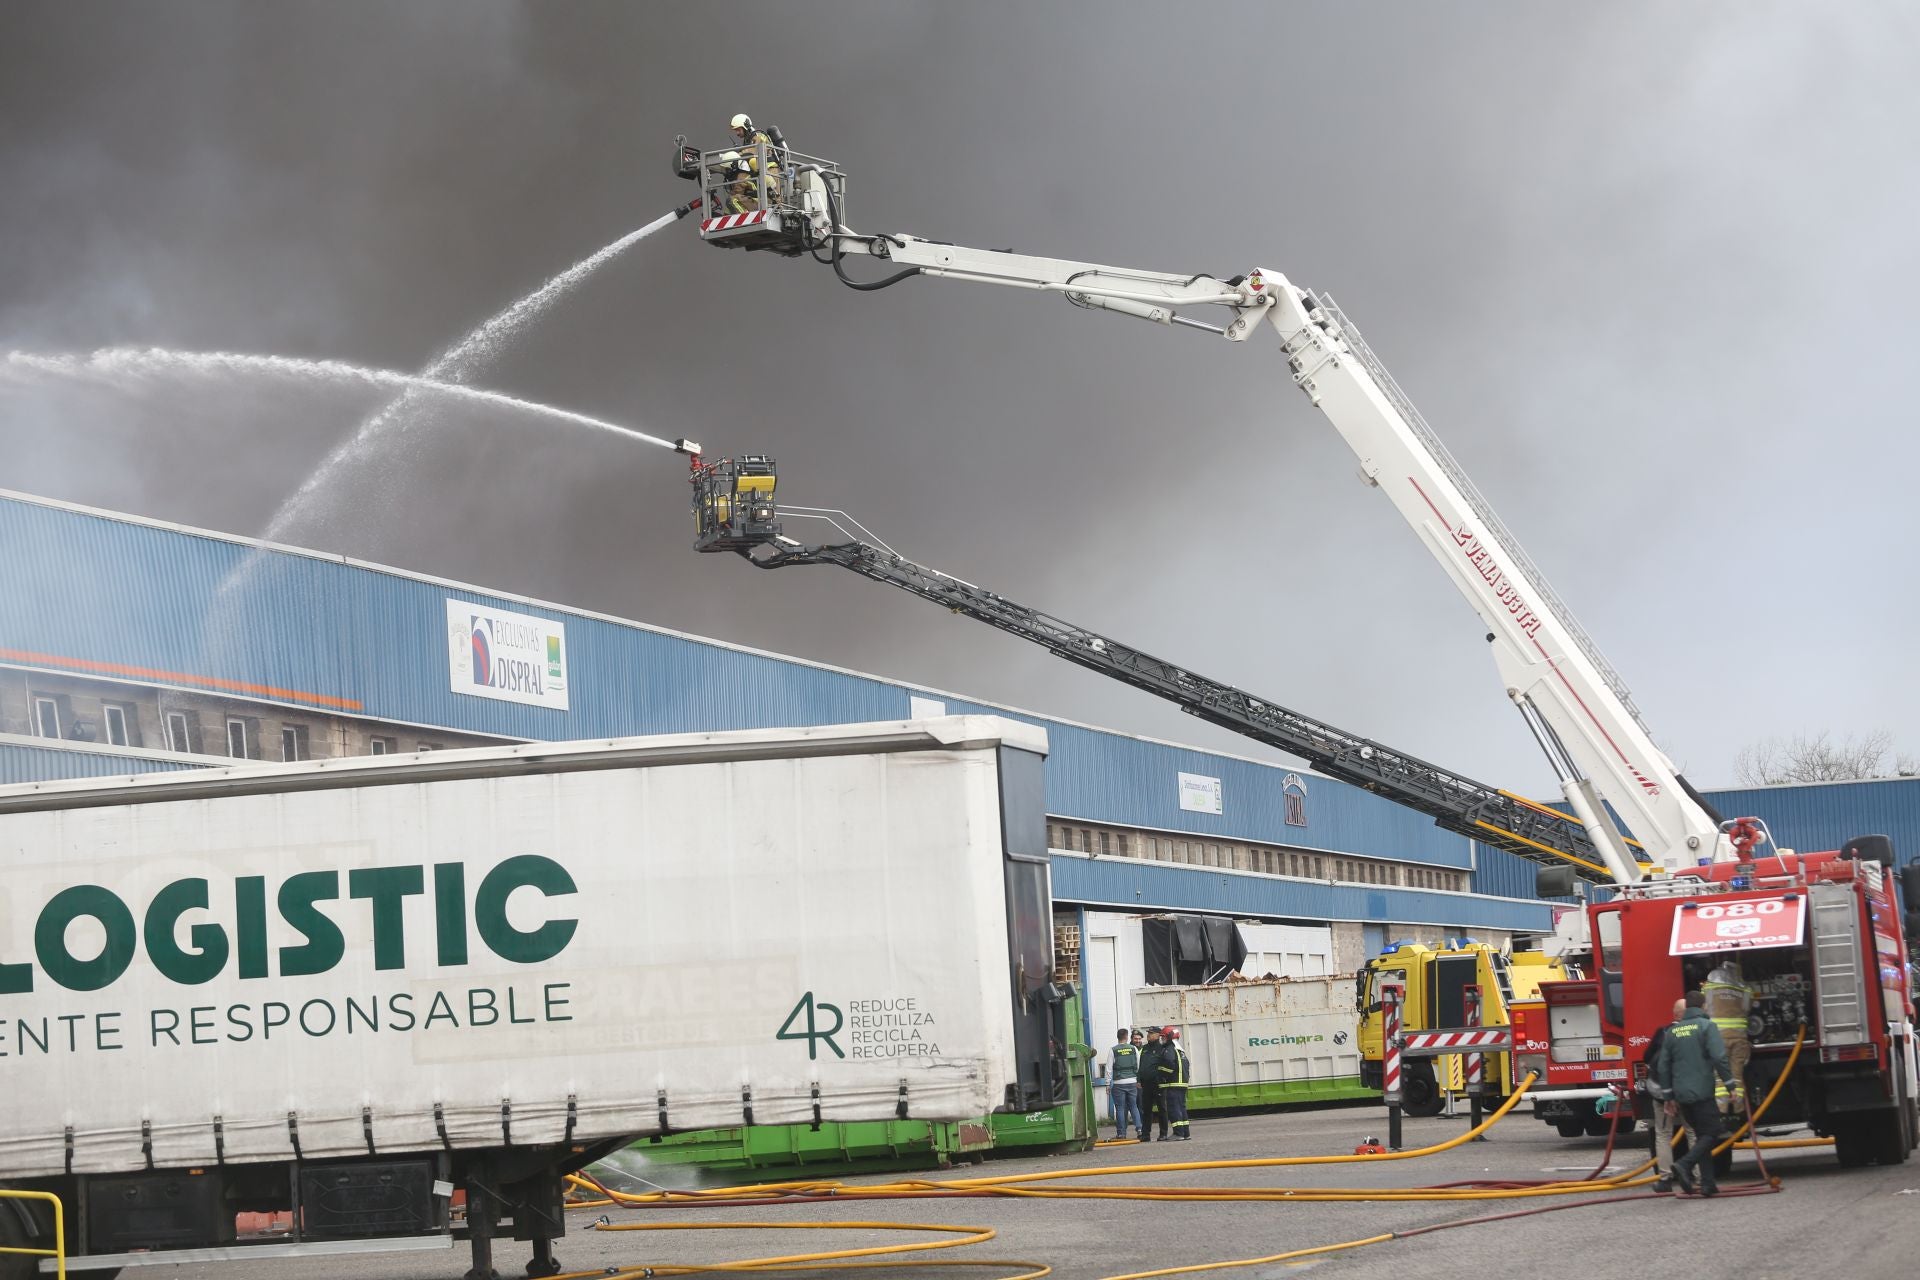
(764, 196)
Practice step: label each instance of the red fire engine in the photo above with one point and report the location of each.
(1819, 942)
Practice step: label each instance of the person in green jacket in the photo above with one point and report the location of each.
(1693, 1058)
(1123, 1085)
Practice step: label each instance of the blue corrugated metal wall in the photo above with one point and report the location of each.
(1104, 777)
(1826, 815)
(96, 593)
(20, 762)
(207, 612)
(1153, 886)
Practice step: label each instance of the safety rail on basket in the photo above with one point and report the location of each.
(765, 195)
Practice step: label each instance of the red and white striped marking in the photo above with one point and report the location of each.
(1495, 1038)
(1390, 996)
(733, 220)
(1475, 1066)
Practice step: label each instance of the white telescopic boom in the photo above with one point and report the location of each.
(1576, 706)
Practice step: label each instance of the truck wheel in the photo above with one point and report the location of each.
(1419, 1094)
(1852, 1144)
(1596, 1126)
(1889, 1130)
(1573, 1127)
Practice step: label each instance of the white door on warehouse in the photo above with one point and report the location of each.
(1104, 997)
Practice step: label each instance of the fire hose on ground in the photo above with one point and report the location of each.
(1023, 1185)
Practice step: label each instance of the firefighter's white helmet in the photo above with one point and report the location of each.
(742, 123)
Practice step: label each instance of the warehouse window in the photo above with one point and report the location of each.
(427, 746)
(115, 718)
(1106, 844)
(1120, 843)
(178, 739)
(237, 739)
(382, 746)
(46, 717)
(293, 742)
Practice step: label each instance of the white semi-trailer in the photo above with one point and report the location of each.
(349, 988)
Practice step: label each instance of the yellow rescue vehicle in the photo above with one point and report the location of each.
(1436, 979)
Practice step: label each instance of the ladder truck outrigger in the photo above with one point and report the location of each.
(1832, 980)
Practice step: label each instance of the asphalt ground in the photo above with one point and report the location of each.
(1861, 1224)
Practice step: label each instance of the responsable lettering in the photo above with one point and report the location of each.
(469, 1008)
(234, 934)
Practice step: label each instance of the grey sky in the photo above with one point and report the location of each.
(1646, 267)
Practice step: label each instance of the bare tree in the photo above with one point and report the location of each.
(1818, 757)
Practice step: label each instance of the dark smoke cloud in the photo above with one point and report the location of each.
(1644, 266)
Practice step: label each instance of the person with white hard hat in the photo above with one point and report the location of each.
(744, 192)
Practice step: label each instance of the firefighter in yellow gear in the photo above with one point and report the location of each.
(743, 193)
(1729, 1003)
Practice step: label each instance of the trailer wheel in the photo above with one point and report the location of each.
(1419, 1093)
(17, 1232)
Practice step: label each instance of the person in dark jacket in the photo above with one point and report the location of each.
(1150, 1103)
(1659, 1093)
(1175, 1071)
(1692, 1059)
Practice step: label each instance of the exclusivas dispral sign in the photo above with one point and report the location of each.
(513, 657)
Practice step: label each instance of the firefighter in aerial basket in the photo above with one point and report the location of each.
(748, 176)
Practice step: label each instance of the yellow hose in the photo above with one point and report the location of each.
(1618, 1182)
(967, 1236)
(1289, 1256)
(1020, 1185)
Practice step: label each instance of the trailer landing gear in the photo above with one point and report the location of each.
(544, 1263)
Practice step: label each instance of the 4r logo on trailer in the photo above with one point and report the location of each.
(812, 1034)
